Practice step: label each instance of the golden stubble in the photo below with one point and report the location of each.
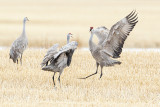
(134, 82)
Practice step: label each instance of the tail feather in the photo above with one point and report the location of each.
(14, 59)
(47, 68)
(117, 62)
(112, 62)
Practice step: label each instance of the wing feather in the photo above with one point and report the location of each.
(119, 32)
(68, 50)
(101, 33)
(50, 54)
(70, 46)
(69, 55)
(18, 47)
(61, 61)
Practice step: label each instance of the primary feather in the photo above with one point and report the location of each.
(113, 44)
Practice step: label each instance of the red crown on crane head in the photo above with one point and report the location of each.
(91, 28)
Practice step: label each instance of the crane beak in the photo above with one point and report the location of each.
(27, 19)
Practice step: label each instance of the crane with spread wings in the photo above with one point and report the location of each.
(110, 41)
(59, 59)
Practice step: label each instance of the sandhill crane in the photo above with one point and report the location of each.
(110, 41)
(59, 59)
(19, 45)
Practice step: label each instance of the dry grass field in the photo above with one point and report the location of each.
(136, 82)
(51, 20)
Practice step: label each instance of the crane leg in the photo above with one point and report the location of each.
(93, 73)
(59, 78)
(17, 61)
(21, 59)
(101, 72)
(53, 79)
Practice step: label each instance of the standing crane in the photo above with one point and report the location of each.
(110, 41)
(59, 59)
(19, 45)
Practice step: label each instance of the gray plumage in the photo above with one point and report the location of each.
(111, 41)
(102, 33)
(50, 53)
(59, 59)
(19, 45)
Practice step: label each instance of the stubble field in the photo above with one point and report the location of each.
(134, 82)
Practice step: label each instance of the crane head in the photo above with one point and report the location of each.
(26, 19)
(91, 28)
(70, 34)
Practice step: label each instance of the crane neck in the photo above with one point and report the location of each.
(91, 37)
(91, 44)
(68, 38)
(24, 27)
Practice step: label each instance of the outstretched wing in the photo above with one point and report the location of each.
(50, 54)
(114, 43)
(69, 50)
(102, 33)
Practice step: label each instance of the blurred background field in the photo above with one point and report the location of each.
(51, 20)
